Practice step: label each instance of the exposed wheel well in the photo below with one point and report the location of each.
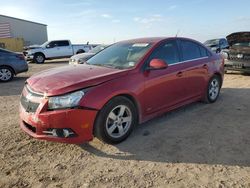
(10, 68)
(219, 75)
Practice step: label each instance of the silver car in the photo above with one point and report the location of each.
(83, 57)
(11, 63)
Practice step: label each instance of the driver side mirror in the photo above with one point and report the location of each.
(157, 64)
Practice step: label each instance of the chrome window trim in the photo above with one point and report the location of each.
(188, 60)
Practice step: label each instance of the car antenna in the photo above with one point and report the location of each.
(177, 33)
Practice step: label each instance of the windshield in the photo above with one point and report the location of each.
(97, 49)
(242, 44)
(45, 44)
(212, 42)
(120, 55)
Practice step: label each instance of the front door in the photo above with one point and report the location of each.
(164, 88)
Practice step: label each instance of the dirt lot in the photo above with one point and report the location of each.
(198, 145)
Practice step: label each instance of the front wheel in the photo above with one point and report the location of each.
(116, 120)
(39, 58)
(213, 89)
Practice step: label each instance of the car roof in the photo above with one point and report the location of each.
(145, 40)
(155, 39)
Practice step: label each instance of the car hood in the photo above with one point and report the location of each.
(58, 81)
(32, 47)
(238, 37)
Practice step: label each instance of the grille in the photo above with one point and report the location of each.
(30, 127)
(28, 105)
(236, 58)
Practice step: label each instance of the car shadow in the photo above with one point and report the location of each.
(197, 133)
(231, 72)
(17, 84)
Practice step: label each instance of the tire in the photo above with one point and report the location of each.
(80, 52)
(39, 58)
(213, 89)
(110, 125)
(6, 74)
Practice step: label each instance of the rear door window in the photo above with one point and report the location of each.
(190, 50)
(204, 52)
(63, 43)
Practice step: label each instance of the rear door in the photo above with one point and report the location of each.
(195, 59)
(65, 49)
(164, 88)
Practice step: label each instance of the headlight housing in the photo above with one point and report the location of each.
(65, 101)
(81, 61)
(224, 55)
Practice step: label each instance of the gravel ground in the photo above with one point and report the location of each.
(199, 145)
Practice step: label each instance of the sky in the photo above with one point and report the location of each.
(108, 21)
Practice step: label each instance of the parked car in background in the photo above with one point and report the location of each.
(11, 63)
(54, 50)
(83, 57)
(216, 45)
(237, 57)
(125, 84)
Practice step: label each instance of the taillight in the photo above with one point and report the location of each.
(20, 56)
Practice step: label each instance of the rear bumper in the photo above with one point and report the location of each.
(22, 67)
(79, 120)
(243, 66)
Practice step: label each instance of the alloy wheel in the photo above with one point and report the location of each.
(5, 74)
(214, 89)
(118, 121)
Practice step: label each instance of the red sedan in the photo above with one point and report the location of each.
(128, 83)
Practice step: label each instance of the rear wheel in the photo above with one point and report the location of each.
(116, 120)
(6, 74)
(213, 89)
(39, 58)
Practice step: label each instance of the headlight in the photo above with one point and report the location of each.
(224, 55)
(214, 49)
(65, 101)
(81, 61)
(29, 52)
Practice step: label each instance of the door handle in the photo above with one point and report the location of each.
(179, 74)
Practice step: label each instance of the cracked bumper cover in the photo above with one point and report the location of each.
(81, 121)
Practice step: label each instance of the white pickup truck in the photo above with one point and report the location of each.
(54, 49)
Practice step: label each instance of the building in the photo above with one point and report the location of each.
(30, 32)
